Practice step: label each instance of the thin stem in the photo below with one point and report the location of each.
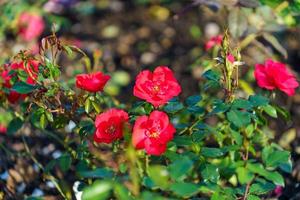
(133, 172)
(190, 129)
(247, 190)
(50, 177)
(147, 163)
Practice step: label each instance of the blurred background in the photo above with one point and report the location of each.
(122, 37)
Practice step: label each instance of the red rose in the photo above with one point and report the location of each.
(109, 125)
(153, 133)
(158, 87)
(278, 191)
(31, 69)
(230, 58)
(31, 26)
(92, 82)
(3, 129)
(214, 41)
(274, 75)
(14, 97)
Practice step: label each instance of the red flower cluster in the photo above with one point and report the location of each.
(214, 41)
(274, 75)
(31, 69)
(109, 125)
(150, 133)
(30, 25)
(94, 82)
(153, 133)
(158, 87)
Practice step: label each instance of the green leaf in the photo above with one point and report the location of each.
(65, 162)
(96, 106)
(14, 125)
(219, 107)
(185, 190)
(237, 137)
(180, 168)
(50, 166)
(241, 104)
(68, 50)
(211, 76)
(148, 108)
(210, 172)
(123, 167)
(24, 88)
(270, 110)
(98, 190)
(87, 105)
(183, 141)
(249, 130)
(272, 3)
(53, 69)
(193, 100)
(96, 173)
(173, 107)
(196, 109)
(147, 182)
(239, 118)
(146, 195)
(49, 116)
(287, 167)
(253, 197)
(261, 188)
(87, 127)
(284, 113)
(258, 100)
(211, 152)
(273, 158)
(43, 121)
(275, 177)
(244, 175)
(159, 175)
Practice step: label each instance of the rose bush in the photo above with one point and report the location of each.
(73, 125)
(165, 146)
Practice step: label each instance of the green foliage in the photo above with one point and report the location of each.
(14, 126)
(223, 147)
(98, 190)
(23, 88)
